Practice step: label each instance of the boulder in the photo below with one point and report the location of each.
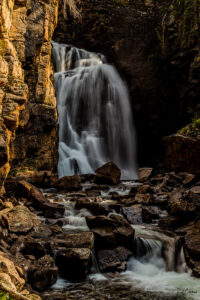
(188, 179)
(111, 260)
(38, 201)
(192, 247)
(75, 240)
(33, 247)
(133, 214)
(43, 273)
(73, 263)
(172, 222)
(108, 174)
(182, 153)
(111, 231)
(178, 204)
(68, 183)
(142, 198)
(144, 174)
(8, 267)
(94, 207)
(150, 213)
(21, 220)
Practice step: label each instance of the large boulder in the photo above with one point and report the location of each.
(21, 220)
(73, 263)
(108, 174)
(68, 183)
(133, 214)
(110, 260)
(179, 204)
(192, 247)
(111, 231)
(43, 273)
(38, 201)
(182, 153)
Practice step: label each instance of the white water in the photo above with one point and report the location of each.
(153, 272)
(160, 270)
(95, 118)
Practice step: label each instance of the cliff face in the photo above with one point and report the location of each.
(28, 114)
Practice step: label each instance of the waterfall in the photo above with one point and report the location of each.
(158, 250)
(94, 114)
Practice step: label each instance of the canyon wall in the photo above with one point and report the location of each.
(28, 116)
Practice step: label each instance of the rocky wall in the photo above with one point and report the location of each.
(28, 117)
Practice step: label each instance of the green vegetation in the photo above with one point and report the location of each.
(192, 129)
(187, 16)
(5, 296)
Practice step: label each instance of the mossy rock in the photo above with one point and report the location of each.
(192, 129)
(5, 296)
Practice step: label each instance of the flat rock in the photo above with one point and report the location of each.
(21, 220)
(76, 240)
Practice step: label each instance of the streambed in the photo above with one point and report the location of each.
(151, 276)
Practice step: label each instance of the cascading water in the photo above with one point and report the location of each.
(95, 119)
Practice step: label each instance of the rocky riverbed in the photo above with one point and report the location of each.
(94, 237)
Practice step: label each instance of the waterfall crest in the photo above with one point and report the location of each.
(94, 114)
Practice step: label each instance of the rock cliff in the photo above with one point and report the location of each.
(28, 114)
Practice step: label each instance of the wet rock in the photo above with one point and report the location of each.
(69, 183)
(111, 231)
(142, 198)
(160, 199)
(108, 174)
(172, 222)
(178, 205)
(38, 201)
(75, 240)
(144, 173)
(41, 231)
(93, 207)
(150, 213)
(33, 247)
(195, 190)
(143, 189)
(133, 214)
(188, 179)
(21, 220)
(192, 247)
(111, 260)
(73, 263)
(43, 273)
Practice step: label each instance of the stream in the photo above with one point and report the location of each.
(152, 273)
